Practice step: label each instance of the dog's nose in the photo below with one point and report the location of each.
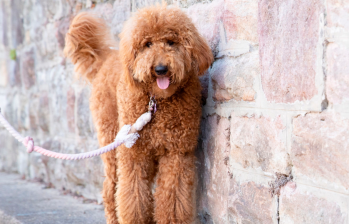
(161, 70)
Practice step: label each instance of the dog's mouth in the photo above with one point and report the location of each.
(163, 82)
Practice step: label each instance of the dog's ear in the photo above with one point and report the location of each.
(127, 53)
(199, 50)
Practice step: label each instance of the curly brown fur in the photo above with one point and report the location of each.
(122, 84)
(87, 44)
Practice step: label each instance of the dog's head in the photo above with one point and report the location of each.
(161, 49)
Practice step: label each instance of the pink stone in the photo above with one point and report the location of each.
(16, 27)
(288, 40)
(250, 203)
(14, 72)
(255, 143)
(28, 69)
(288, 189)
(4, 27)
(337, 83)
(319, 148)
(4, 70)
(106, 11)
(240, 20)
(33, 113)
(62, 29)
(338, 13)
(206, 18)
(214, 172)
(233, 78)
(83, 112)
(304, 207)
(71, 109)
(44, 112)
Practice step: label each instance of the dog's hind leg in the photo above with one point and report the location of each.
(174, 196)
(109, 187)
(105, 117)
(88, 45)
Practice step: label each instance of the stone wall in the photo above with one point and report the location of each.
(276, 101)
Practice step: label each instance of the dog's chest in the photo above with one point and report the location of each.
(173, 124)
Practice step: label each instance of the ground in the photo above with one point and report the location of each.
(26, 202)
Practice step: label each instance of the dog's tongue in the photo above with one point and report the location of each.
(163, 82)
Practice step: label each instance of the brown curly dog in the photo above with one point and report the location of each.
(161, 53)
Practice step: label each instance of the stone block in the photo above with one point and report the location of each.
(233, 78)
(338, 14)
(337, 82)
(3, 103)
(213, 187)
(319, 150)
(58, 112)
(106, 11)
(259, 143)
(138, 4)
(17, 29)
(186, 3)
(49, 44)
(3, 23)
(56, 9)
(23, 124)
(28, 69)
(11, 111)
(34, 14)
(36, 35)
(14, 72)
(289, 46)
(83, 113)
(207, 18)
(9, 153)
(56, 78)
(240, 20)
(234, 48)
(121, 14)
(250, 203)
(33, 113)
(3, 70)
(303, 206)
(44, 112)
(62, 27)
(71, 110)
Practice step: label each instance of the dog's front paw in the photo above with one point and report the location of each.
(124, 137)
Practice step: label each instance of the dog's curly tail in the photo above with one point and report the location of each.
(87, 44)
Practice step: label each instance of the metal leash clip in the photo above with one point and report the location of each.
(152, 104)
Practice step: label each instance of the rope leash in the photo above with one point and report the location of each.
(127, 135)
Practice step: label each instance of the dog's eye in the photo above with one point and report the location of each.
(170, 42)
(148, 44)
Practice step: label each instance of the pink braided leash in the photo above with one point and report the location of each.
(126, 135)
(29, 143)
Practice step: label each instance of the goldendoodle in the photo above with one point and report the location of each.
(161, 54)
